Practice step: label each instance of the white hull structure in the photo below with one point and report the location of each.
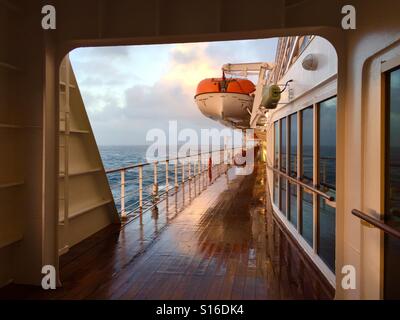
(232, 109)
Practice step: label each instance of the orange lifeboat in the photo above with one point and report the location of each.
(228, 101)
(220, 85)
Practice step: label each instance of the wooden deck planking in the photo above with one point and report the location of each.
(224, 244)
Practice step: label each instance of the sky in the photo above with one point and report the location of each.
(129, 90)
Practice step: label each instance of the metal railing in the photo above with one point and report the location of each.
(193, 168)
(377, 223)
(302, 184)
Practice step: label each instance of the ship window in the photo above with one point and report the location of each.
(276, 163)
(392, 215)
(307, 176)
(305, 41)
(276, 189)
(327, 180)
(276, 151)
(283, 195)
(283, 168)
(299, 204)
(307, 216)
(392, 186)
(292, 212)
(293, 145)
(307, 145)
(293, 204)
(283, 144)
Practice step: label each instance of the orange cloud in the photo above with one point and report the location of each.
(189, 64)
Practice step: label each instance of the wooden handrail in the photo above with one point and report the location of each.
(377, 223)
(301, 183)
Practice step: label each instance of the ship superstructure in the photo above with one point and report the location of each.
(305, 77)
(330, 177)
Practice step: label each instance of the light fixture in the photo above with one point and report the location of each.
(310, 62)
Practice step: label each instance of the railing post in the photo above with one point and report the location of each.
(189, 171)
(194, 178)
(176, 174)
(199, 172)
(190, 181)
(183, 171)
(195, 172)
(123, 212)
(183, 180)
(166, 175)
(155, 182)
(224, 154)
(141, 187)
(209, 167)
(204, 176)
(217, 164)
(221, 161)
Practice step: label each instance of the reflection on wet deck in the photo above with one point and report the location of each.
(223, 244)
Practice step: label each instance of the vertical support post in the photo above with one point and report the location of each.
(224, 150)
(316, 177)
(204, 176)
(287, 167)
(183, 180)
(189, 171)
(194, 177)
(190, 180)
(233, 153)
(176, 174)
(141, 187)
(183, 172)
(279, 164)
(66, 153)
(299, 169)
(166, 175)
(244, 140)
(219, 164)
(66, 177)
(196, 173)
(210, 165)
(224, 158)
(123, 212)
(155, 181)
(199, 171)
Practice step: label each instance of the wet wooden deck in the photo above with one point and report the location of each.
(223, 244)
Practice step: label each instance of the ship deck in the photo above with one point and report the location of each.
(225, 243)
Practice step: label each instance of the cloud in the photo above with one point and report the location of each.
(130, 90)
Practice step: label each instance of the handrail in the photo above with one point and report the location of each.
(301, 183)
(165, 160)
(195, 170)
(377, 223)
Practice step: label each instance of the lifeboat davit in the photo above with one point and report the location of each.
(226, 100)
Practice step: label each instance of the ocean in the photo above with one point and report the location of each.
(122, 156)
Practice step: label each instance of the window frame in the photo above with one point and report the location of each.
(387, 68)
(315, 107)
